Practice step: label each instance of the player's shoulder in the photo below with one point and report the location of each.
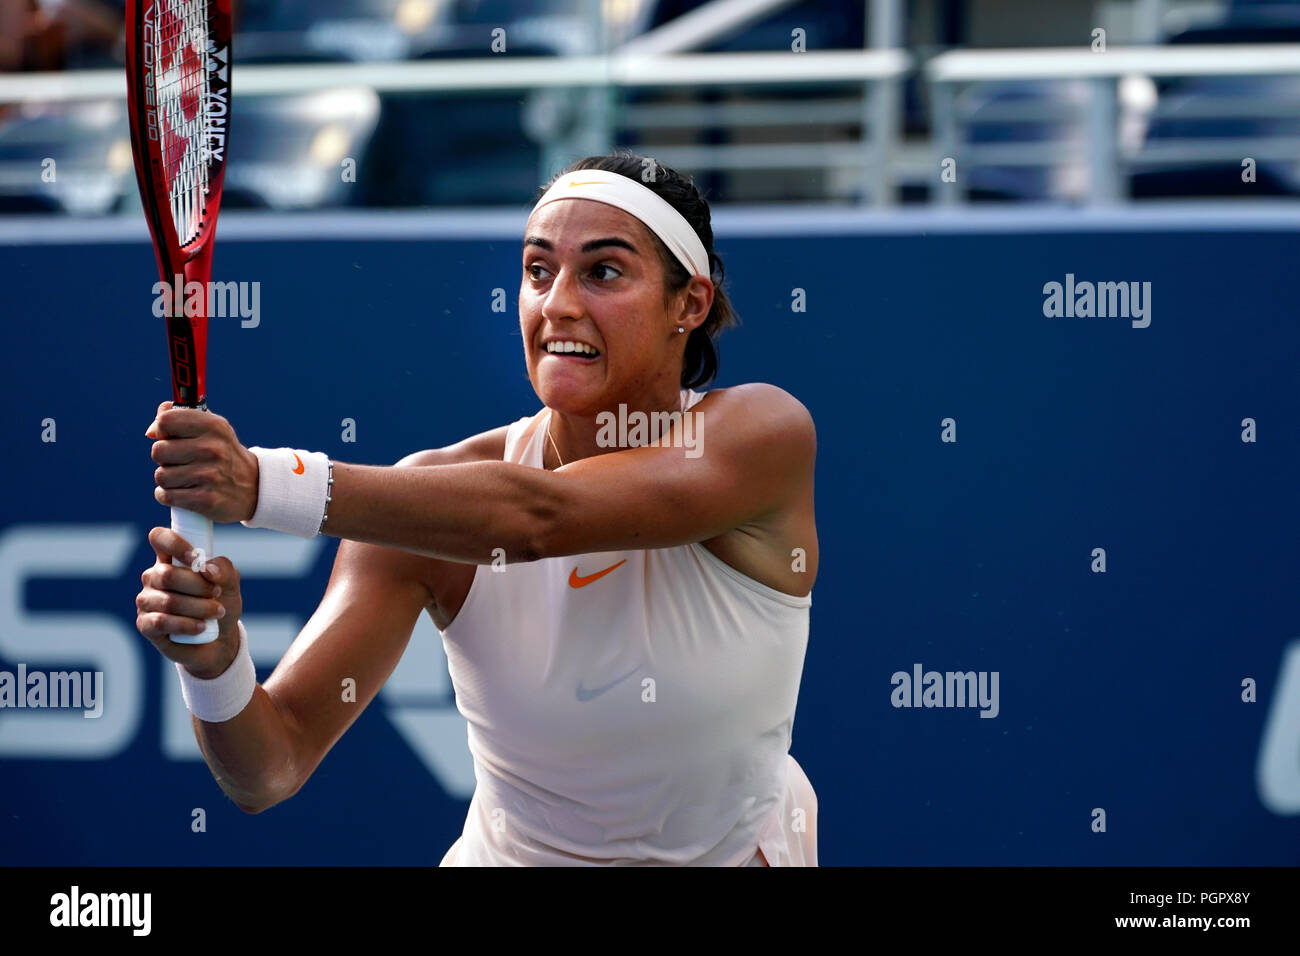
(485, 446)
(762, 407)
(758, 395)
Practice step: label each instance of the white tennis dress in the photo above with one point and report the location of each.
(629, 707)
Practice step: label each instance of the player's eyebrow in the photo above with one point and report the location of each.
(591, 246)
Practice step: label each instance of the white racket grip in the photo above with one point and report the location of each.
(197, 530)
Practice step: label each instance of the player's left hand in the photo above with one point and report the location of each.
(202, 466)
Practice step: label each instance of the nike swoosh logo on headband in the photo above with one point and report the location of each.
(592, 182)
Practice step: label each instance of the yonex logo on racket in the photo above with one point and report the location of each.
(214, 145)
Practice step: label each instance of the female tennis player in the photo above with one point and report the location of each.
(624, 610)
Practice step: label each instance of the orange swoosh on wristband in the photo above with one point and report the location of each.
(300, 469)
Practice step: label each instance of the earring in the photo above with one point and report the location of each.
(680, 329)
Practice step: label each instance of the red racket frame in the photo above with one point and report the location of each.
(187, 336)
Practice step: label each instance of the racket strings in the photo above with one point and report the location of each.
(181, 58)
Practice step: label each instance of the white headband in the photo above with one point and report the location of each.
(644, 203)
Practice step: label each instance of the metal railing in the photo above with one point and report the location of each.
(1106, 164)
(872, 158)
(867, 68)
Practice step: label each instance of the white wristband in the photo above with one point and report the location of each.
(293, 491)
(226, 695)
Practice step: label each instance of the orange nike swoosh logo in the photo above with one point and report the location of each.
(299, 470)
(577, 580)
(591, 182)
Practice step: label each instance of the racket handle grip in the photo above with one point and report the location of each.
(197, 530)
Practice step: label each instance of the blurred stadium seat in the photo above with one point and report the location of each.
(84, 147)
(1226, 117)
(803, 135)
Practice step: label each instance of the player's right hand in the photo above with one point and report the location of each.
(177, 600)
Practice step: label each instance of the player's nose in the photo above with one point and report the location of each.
(562, 299)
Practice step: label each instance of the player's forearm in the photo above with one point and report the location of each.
(251, 756)
(463, 512)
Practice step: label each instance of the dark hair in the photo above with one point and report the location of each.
(700, 363)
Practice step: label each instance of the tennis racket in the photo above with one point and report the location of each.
(178, 96)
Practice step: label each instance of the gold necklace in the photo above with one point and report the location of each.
(548, 435)
(552, 440)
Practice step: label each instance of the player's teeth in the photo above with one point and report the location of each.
(557, 348)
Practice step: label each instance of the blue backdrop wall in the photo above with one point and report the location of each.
(1119, 690)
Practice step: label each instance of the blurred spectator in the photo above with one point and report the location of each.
(59, 34)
